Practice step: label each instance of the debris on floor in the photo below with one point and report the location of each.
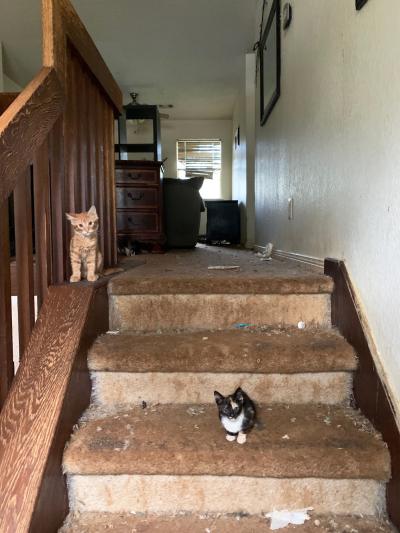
(281, 519)
(301, 325)
(224, 267)
(113, 332)
(196, 410)
(267, 253)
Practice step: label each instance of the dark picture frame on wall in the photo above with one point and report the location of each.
(360, 4)
(270, 62)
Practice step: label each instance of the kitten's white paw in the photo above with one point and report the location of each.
(230, 438)
(74, 279)
(241, 438)
(94, 277)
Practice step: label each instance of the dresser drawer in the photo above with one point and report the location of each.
(134, 222)
(130, 176)
(131, 197)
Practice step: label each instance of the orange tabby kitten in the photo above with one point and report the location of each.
(86, 258)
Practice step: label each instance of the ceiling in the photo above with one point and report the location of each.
(185, 52)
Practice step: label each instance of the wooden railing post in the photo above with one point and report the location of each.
(6, 346)
(41, 187)
(24, 258)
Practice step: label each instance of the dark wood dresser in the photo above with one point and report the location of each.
(139, 202)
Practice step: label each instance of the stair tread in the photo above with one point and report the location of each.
(183, 272)
(235, 350)
(124, 523)
(291, 442)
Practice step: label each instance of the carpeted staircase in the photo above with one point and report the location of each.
(150, 454)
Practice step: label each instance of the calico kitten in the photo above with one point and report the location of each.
(86, 258)
(237, 414)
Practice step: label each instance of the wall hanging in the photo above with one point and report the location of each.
(287, 15)
(270, 63)
(360, 4)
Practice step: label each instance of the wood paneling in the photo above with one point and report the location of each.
(100, 166)
(57, 188)
(43, 244)
(6, 99)
(47, 397)
(369, 391)
(42, 103)
(6, 345)
(24, 258)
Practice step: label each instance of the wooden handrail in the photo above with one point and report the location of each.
(25, 124)
(50, 391)
(56, 156)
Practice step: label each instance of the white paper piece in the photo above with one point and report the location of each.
(224, 267)
(280, 519)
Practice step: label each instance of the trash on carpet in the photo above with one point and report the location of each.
(301, 325)
(281, 519)
(224, 267)
(195, 411)
(242, 325)
(112, 332)
(267, 253)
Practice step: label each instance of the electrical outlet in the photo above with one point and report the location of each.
(290, 208)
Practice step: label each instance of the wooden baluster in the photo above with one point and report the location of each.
(6, 344)
(106, 154)
(57, 193)
(82, 134)
(72, 192)
(41, 180)
(91, 130)
(100, 168)
(24, 258)
(111, 182)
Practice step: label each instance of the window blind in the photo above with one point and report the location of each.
(198, 157)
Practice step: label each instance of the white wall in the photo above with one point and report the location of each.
(172, 130)
(6, 83)
(239, 163)
(243, 155)
(333, 143)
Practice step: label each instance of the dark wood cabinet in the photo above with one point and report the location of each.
(139, 201)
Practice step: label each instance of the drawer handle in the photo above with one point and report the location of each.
(134, 176)
(136, 198)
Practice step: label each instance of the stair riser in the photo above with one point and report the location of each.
(202, 311)
(219, 494)
(115, 388)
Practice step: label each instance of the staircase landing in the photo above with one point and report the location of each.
(186, 272)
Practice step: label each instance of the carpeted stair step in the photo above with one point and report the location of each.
(273, 365)
(148, 298)
(328, 458)
(128, 523)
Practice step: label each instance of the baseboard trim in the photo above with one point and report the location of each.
(369, 391)
(292, 256)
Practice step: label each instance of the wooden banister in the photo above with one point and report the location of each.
(62, 25)
(56, 155)
(24, 126)
(50, 391)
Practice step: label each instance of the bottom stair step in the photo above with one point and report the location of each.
(127, 523)
(170, 458)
